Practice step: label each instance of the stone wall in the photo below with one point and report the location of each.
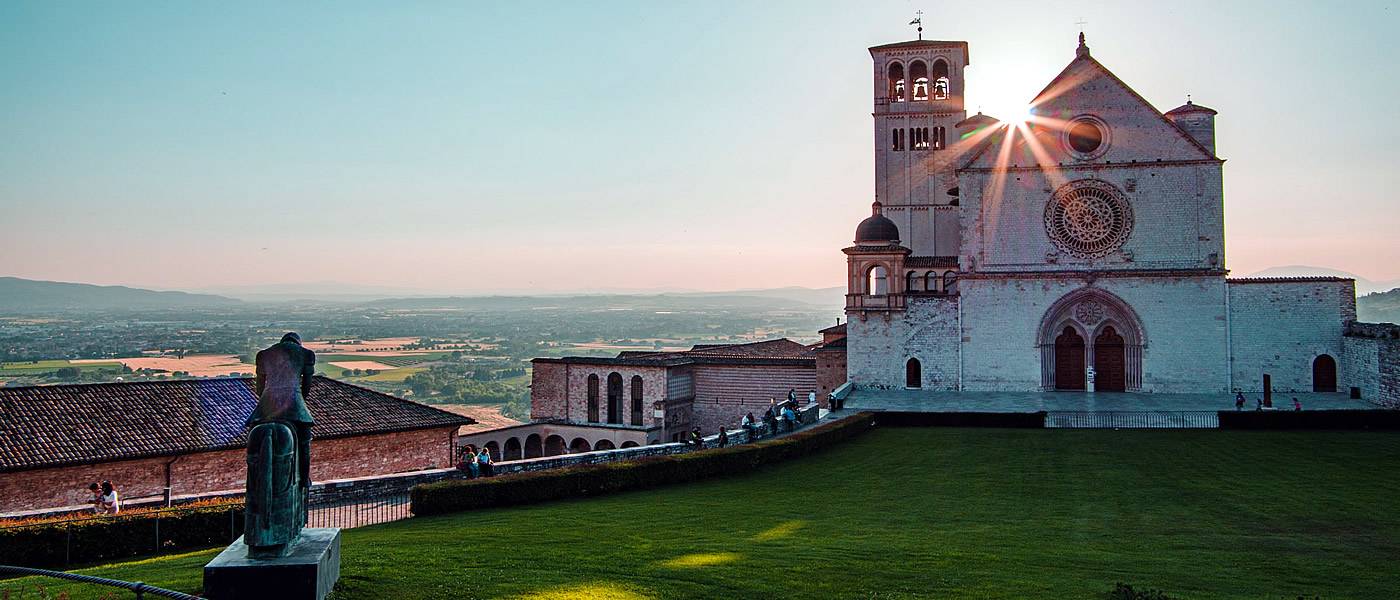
(204, 473)
(879, 349)
(831, 371)
(1280, 327)
(1371, 361)
(549, 389)
(1182, 318)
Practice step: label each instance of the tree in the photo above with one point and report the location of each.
(68, 373)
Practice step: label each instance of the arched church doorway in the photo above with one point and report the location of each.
(913, 374)
(1091, 326)
(1069, 360)
(1324, 374)
(1109, 358)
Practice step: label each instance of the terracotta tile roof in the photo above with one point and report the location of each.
(769, 352)
(51, 426)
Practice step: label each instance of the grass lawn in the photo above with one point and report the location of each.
(926, 513)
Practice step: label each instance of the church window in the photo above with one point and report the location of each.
(940, 80)
(931, 281)
(950, 282)
(637, 404)
(1088, 218)
(920, 138)
(615, 398)
(913, 374)
(592, 398)
(911, 282)
(896, 140)
(940, 138)
(877, 281)
(896, 89)
(1086, 137)
(918, 72)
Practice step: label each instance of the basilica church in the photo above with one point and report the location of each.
(1081, 248)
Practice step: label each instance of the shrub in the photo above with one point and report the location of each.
(103, 539)
(593, 480)
(1123, 591)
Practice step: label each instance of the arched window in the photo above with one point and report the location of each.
(877, 281)
(940, 80)
(614, 398)
(636, 399)
(554, 445)
(920, 137)
(896, 139)
(913, 374)
(931, 281)
(896, 90)
(592, 398)
(950, 282)
(911, 281)
(918, 72)
(604, 445)
(580, 445)
(534, 446)
(512, 450)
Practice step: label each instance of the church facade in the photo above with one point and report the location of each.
(1083, 249)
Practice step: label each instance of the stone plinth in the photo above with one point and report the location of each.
(308, 572)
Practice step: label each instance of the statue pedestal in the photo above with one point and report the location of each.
(308, 572)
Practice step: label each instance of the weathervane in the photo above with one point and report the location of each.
(919, 20)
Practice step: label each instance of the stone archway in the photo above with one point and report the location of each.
(1324, 372)
(512, 450)
(1090, 326)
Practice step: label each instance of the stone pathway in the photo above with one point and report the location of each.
(931, 401)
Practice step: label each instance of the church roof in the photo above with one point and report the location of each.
(977, 120)
(931, 261)
(59, 425)
(781, 351)
(1189, 108)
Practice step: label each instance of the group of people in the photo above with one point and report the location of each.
(105, 499)
(1259, 403)
(477, 463)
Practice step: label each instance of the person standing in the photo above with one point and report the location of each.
(770, 418)
(96, 499)
(111, 500)
(792, 395)
(812, 397)
(723, 437)
(1296, 404)
(1239, 401)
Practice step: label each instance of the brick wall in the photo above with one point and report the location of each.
(1280, 327)
(724, 393)
(831, 371)
(205, 472)
(548, 390)
(576, 411)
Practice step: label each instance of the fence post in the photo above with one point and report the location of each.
(157, 549)
(67, 542)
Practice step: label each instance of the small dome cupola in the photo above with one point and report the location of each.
(877, 228)
(1196, 121)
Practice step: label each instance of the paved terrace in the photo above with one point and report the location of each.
(931, 401)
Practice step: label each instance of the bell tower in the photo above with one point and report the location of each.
(918, 92)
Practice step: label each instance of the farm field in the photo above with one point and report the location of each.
(18, 369)
(914, 513)
(198, 365)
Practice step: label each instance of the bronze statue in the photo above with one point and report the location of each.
(279, 449)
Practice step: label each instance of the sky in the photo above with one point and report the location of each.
(460, 147)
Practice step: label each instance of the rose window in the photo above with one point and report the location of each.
(1088, 219)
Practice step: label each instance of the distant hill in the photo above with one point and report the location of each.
(27, 295)
(1380, 307)
(729, 301)
(1363, 286)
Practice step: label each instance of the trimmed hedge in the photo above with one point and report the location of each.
(60, 544)
(1035, 420)
(594, 480)
(1376, 420)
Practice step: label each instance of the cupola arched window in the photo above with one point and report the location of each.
(940, 80)
(911, 281)
(918, 72)
(877, 281)
(931, 281)
(896, 89)
(950, 282)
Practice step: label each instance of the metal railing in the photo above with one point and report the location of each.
(140, 589)
(162, 534)
(1141, 419)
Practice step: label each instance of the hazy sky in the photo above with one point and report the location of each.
(459, 146)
